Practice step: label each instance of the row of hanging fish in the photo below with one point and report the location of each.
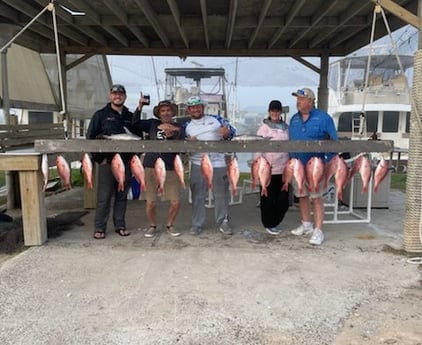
(233, 172)
(316, 173)
(138, 172)
(63, 169)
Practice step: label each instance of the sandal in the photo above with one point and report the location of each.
(122, 232)
(99, 235)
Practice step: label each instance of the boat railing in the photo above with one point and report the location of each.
(375, 95)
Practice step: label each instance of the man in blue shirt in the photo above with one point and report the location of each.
(310, 123)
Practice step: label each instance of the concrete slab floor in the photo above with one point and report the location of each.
(249, 288)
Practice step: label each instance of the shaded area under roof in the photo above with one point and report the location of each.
(202, 28)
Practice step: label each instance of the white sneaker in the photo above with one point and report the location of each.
(317, 237)
(302, 230)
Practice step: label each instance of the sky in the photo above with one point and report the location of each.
(259, 80)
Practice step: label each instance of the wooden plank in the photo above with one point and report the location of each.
(83, 145)
(18, 135)
(20, 162)
(400, 12)
(34, 219)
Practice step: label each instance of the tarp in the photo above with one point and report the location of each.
(34, 85)
(29, 85)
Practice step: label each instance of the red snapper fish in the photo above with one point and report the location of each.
(160, 174)
(254, 172)
(365, 173)
(355, 167)
(294, 169)
(341, 177)
(64, 170)
(118, 170)
(44, 170)
(138, 171)
(87, 170)
(330, 169)
(179, 170)
(314, 173)
(233, 173)
(264, 174)
(207, 169)
(380, 173)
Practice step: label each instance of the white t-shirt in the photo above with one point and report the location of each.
(206, 128)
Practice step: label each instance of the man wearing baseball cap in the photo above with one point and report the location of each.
(208, 127)
(111, 119)
(310, 123)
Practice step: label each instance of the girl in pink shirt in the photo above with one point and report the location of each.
(275, 204)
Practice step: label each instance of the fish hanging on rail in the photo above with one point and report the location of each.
(118, 169)
(63, 170)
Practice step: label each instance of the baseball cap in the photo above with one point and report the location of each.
(275, 105)
(165, 103)
(195, 100)
(118, 88)
(304, 92)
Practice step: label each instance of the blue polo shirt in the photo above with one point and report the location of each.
(318, 126)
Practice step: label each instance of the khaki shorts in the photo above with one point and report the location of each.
(306, 192)
(171, 186)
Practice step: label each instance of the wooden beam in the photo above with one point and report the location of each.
(316, 18)
(307, 64)
(345, 17)
(123, 17)
(400, 12)
(19, 162)
(153, 20)
(289, 18)
(205, 22)
(176, 15)
(262, 15)
(96, 18)
(231, 21)
(34, 219)
(83, 145)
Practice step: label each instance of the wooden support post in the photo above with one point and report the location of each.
(34, 219)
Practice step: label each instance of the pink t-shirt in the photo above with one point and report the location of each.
(277, 160)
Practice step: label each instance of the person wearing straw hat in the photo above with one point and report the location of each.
(162, 127)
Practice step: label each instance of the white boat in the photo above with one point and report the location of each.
(385, 101)
(208, 83)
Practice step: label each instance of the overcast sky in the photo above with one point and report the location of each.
(259, 80)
